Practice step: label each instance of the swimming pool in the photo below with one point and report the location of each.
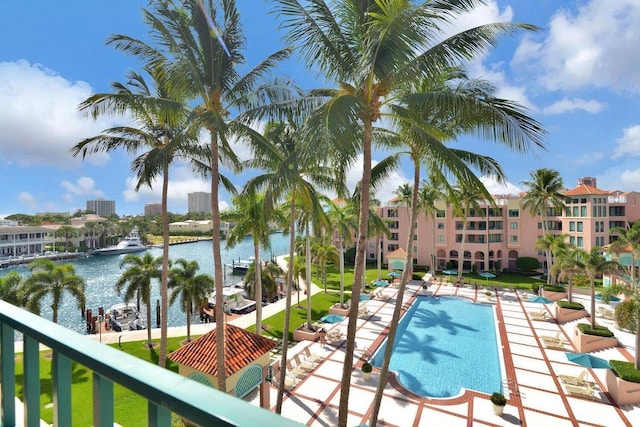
(445, 344)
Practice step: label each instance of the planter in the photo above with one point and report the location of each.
(588, 343)
(554, 296)
(336, 309)
(366, 376)
(564, 315)
(498, 409)
(301, 333)
(622, 392)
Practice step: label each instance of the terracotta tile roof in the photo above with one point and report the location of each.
(398, 253)
(583, 190)
(243, 347)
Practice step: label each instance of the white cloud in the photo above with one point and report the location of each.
(618, 179)
(592, 46)
(39, 116)
(629, 144)
(570, 105)
(84, 186)
(385, 190)
(496, 188)
(28, 200)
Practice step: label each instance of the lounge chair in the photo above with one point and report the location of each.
(580, 380)
(295, 371)
(539, 315)
(312, 357)
(363, 311)
(304, 364)
(289, 382)
(557, 339)
(580, 391)
(553, 344)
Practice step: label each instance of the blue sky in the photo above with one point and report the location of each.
(579, 77)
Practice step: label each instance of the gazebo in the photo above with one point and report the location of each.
(246, 361)
(397, 259)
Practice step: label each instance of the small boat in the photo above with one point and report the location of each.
(241, 266)
(234, 301)
(125, 317)
(129, 244)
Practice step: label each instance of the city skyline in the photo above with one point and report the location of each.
(577, 75)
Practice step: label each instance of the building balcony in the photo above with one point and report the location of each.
(166, 392)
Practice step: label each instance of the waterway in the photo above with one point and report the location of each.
(101, 273)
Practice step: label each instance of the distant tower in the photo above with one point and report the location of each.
(152, 209)
(102, 207)
(199, 202)
(587, 180)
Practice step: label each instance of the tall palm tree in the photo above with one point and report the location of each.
(343, 221)
(251, 218)
(628, 241)
(466, 197)
(158, 137)
(137, 278)
(192, 288)
(268, 280)
(324, 252)
(568, 265)
(431, 190)
(11, 288)
(207, 68)
(371, 50)
(66, 231)
(594, 264)
(50, 279)
(543, 192)
(553, 244)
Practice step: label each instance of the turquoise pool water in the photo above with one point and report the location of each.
(443, 345)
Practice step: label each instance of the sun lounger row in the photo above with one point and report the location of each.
(606, 313)
(585, 391)
(539, 315)
(297, 369)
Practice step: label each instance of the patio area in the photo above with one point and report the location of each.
(536, 395)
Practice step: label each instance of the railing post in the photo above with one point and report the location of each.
(61, 390)
(31, 382)
(158, 415)
(102, 401)
(7, 376)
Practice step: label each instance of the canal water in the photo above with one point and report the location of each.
(101, 273)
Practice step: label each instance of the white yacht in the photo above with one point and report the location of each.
(125, 317)
(129, 244)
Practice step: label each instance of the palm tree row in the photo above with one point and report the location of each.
(396, 82)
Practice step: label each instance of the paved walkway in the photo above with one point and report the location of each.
(536, 396)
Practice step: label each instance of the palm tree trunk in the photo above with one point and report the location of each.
(393, 326)
(217, 265)
(358, 278)
(164, 293)
(379, 258)
(593, 303)
(189, 314)
(308, 276)
(148, 303)
(461, 254)
(258, 286)
(287, 311)
(341, 273)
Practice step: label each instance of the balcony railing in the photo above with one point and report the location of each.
(165, 391)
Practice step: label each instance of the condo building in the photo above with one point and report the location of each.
(102, 207)
(494, 237)
(199, 202)
(152, 209)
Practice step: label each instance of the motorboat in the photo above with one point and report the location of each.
(234, 301)
(125, 317)
(131, 243)
(241, 266)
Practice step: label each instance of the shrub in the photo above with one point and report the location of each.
(366, 367)
(535, 287)
(527, 263)
(554, 288)
(625, 370)
(474, 268)
(570, 305)
(599, 331)
(498, 399)
(626, 316)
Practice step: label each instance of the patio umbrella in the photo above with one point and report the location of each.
(380, 283)
(487, 275)
(365, 297)
(332, 318)
(450, 272)
(540, 300)
(611, 298)
(588, 360)
(394, 274)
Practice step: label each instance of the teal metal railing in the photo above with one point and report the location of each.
(165, 391)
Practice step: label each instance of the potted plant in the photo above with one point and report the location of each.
(488, 295)
(499, 402)
(366, 371)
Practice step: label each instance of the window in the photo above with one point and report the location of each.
(583, 211)
(572, 240)
(458, 238)
(574, 200)
(514, 213)
(584, 200)
(441, 214)
(580, 227)
(440, 238)
(394, 236)
(575, 211)
(415, 237)
(580, 243)
(513, 239)
(572, 226)
(393, 225)
(513, 225)
(495, 237)
(392, 247)
(392, 213)
(458, 225)
(597, 228)
(441, 226)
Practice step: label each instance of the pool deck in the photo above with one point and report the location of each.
(536, 397)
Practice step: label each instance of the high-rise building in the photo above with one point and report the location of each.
(199, 202)
(152, 209)
(587, 180)
(102, 207)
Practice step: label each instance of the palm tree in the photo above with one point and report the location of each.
(628, 241)
(137, 279)
(593, 264)
(11, 288)
(193, 289)
(343, 221)
(552, 244)
(431, 190)
(66, 231)
(206, 68)
(373, 49)
(568, 265)
(268, 275)
(543, 193)
(324, 252)
(466, 197)
(48, 278)
(251, 218)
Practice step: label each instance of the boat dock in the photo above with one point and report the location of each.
(26, 259)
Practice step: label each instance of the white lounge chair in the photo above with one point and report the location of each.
(586, 391)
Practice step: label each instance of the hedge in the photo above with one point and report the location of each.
(625, 370)
(554, 288)
(600, 331)
(570, 305)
